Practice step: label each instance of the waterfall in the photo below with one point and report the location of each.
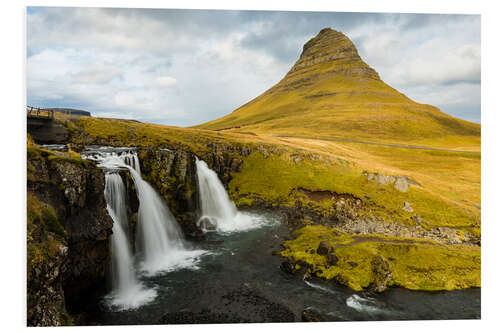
(127, 291)
(159, 240)
(218, 212)
(122, 272)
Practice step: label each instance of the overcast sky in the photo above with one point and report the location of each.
(186, 67)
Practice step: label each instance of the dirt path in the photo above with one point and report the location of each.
(375, 143)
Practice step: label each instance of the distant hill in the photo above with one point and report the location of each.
(331, 92)
(74, 112)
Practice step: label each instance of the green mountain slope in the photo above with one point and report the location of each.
(331, 92)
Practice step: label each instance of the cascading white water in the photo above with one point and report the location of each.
(159, 240)
(122, 262)
(127, 291)
(217, 210)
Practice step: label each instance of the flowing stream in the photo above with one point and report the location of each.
(239, 280)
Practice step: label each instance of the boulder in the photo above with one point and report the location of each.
(310, 315)
(207, 224)
(401, 184)
(236, 164)
(417, 218)
(382, 274)
(384, 179)
(407, 207)
(322, 249)
(287, 267)
(332, 259)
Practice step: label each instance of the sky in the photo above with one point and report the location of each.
(186, 67)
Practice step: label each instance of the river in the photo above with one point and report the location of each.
(239, 280)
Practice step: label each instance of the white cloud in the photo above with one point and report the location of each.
(188, 67)
(165, 81)
(96, 74)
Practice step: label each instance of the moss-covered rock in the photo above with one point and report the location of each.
(376, 262)
(172, 173)
(46, 255)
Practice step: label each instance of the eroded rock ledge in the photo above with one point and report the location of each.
(68, 231)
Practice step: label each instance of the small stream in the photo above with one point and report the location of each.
(239, 280)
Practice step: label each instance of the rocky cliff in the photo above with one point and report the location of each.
(68, 231)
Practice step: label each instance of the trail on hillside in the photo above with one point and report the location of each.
(374, 143)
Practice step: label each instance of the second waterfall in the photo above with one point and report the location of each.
(218, 212)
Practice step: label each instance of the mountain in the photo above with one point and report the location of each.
(331, 92)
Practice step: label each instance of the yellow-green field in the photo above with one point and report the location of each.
(448, 195)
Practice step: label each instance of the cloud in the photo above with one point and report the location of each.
(185, 67)
(165, 81)
(96, 74)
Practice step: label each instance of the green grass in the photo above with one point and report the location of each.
(77, 160)
(414, 265)
(275, 178)
(34, 152)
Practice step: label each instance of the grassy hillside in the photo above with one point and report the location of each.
(330, 92)
(449, 182)
(278, 169)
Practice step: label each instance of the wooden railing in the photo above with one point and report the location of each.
(36, 112)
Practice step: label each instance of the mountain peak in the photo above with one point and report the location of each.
(332, 48)
(324, 35)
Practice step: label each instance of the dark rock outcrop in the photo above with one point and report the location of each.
(382, 273)
(75, 191)
(48, 131)
(45, 296)
(172, 172)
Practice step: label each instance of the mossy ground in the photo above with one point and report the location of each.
(45, 233)
(274, 179)
(415, 264)
(34, 152)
